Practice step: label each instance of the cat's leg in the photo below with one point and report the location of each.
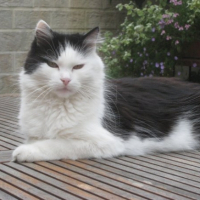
(100, 144)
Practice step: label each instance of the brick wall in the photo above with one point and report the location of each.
(19, 17)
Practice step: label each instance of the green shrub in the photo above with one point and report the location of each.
(151, 39)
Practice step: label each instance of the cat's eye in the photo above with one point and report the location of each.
(78, 66)
(52, 64)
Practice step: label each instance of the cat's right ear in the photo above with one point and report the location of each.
(43, 32)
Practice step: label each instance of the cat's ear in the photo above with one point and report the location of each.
(91, 38)
(43, 32)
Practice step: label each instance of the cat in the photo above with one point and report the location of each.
(69, 110)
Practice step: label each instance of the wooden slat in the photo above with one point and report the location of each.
(5, 156)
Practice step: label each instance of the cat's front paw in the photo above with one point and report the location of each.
(26, 153)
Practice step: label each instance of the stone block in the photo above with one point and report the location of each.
(68, 19)
(19, 61)
(106, 20)
(51, 4)
(9, 84)
(6, 63)
(16, 3)
(86, 4)
(6, 19)
(29, 19)
(15, 41)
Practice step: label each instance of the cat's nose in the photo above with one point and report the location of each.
(65, 81)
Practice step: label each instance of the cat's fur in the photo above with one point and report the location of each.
(92, 117)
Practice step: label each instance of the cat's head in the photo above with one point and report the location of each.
(63, 64)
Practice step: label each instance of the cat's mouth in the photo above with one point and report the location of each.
(63, 90)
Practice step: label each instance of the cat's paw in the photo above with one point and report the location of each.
(26, 153)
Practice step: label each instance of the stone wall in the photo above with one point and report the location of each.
(19, 17)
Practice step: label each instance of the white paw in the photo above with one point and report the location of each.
(26, 153)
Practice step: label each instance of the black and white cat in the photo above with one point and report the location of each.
(69, 111)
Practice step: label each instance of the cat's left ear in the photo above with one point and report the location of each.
(43, 32)
(91, 38)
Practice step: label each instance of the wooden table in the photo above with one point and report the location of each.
(161, 176)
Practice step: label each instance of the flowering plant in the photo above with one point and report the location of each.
(151, 39)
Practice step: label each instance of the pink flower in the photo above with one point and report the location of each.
(176, 25)
(169, 21)
(181, 28)
(177, 42)
(165, 16)
(163, 32)
(175, 15)
(168, 37)
(187, 26)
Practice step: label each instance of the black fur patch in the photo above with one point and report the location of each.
(51, 48)
(150, 107)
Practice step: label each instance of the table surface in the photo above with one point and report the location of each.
(160, 176)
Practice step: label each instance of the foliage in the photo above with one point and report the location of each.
(151, 39)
